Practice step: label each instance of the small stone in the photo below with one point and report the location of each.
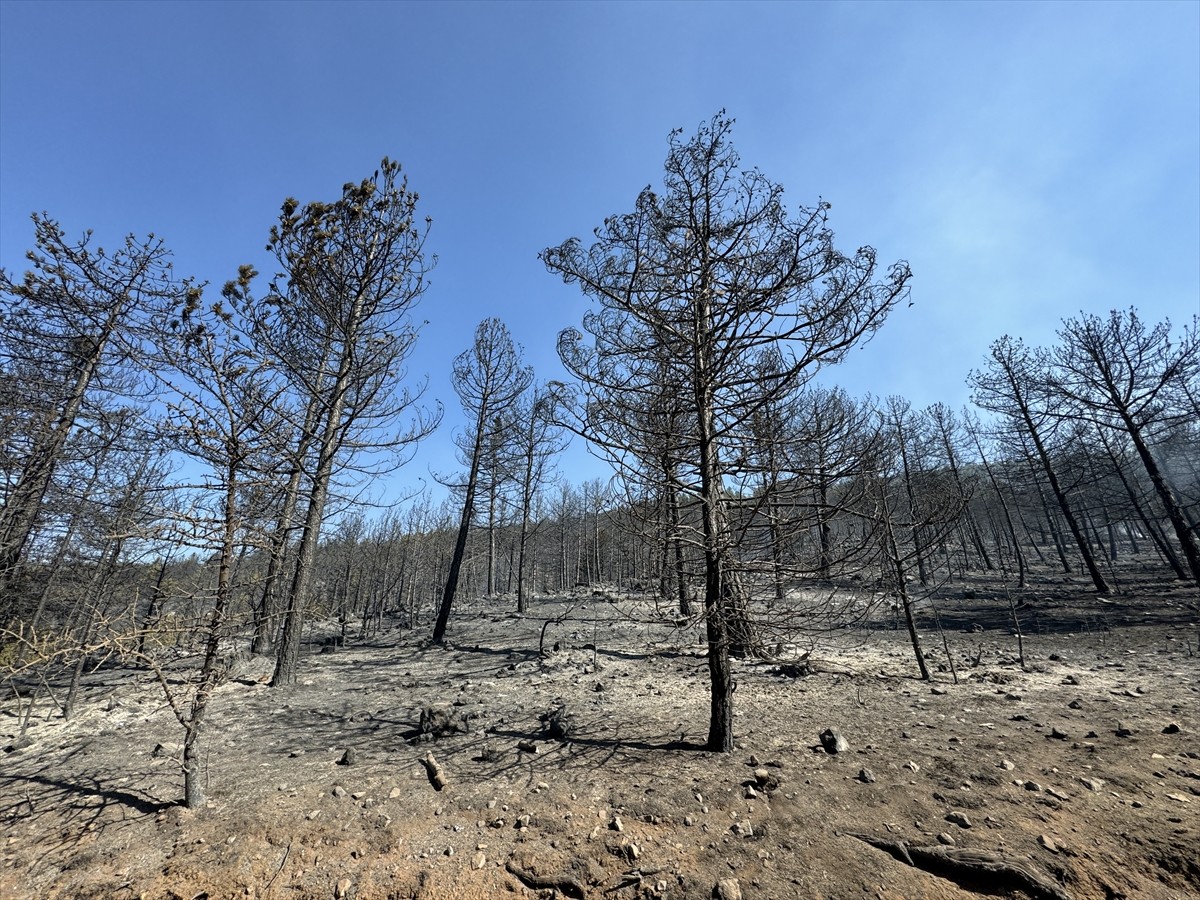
(527, 746)
(750, 792)
(1124, 730)
(833, 742)
(349, 758)
(479, 860)
(944, 838)
(1007, 764)
(753, 760)
(632, 852)
(743, 829)
(1070, 679)
(866, 776)
(1092, 784)
(394, 793)
(937, 689)
(689, 821)
(959, 819)
(615, 824)
(522, 821)
(338, 791)
(342, 889)
(1076, 704)
(312, 815)
(727, 889)
(766, 780)
(1048, 842)
(1172, 728)
(912, 767)
(1033, 786)
(1058, 735)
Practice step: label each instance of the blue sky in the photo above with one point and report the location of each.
(1030, 160)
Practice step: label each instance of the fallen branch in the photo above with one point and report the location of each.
(436, 776)
(562, 883)
(282, 863)
(960, 864)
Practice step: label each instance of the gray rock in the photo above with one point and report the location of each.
(959, 819)
(866, 776)
(727, 889)
(833, 742)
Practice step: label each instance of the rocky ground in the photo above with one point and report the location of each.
(1076, 776)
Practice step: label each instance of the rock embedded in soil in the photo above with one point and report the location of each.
(727, 889)
(766, 780)
(833, 742)
(959, 819)
(866, 776)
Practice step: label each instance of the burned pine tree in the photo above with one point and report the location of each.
(705, 276)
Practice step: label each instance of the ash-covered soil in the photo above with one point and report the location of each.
(1081, 770)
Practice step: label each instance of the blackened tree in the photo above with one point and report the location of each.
(707, 276)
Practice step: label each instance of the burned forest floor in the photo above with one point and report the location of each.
(562, 756)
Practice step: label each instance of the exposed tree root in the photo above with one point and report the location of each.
(561, 883)
(959, 865)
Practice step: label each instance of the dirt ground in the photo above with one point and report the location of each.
(1081, 770)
